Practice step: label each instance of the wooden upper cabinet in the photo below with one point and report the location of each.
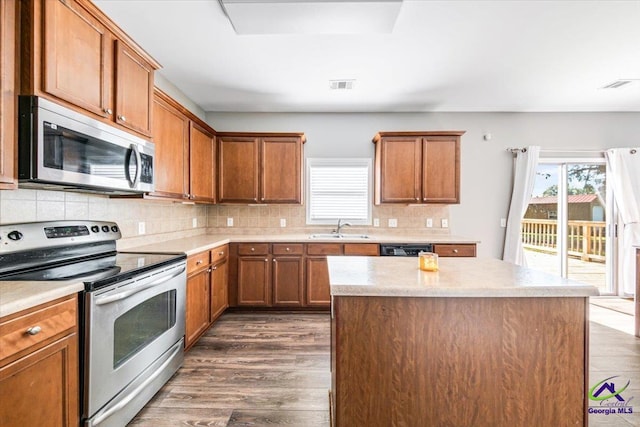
(8, 103)
(134, 90)
(171, 139)
(259, 167)
(74, 54)
(202, 164)
(417, 167)
(281, 166)
(185, 166)
(238, 169)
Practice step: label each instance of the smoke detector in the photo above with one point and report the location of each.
(341, 84)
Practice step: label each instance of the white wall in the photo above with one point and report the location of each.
(170, 89)
(486, 166)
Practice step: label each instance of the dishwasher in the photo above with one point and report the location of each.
(404, 249)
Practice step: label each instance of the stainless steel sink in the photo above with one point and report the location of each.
(338, 236)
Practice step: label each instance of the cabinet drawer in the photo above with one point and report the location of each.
(44, 323)
(366, 249)
(253, 249)
(287, 249)
(324, 249)
(219, 253)
(468, 250)
(198, 261)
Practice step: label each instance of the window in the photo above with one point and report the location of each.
(338, 189)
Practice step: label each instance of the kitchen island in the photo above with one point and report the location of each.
(480, 342)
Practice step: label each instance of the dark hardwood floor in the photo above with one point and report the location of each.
(272, 369)
(250, 370)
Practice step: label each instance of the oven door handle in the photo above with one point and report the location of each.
(135, 392)
(107, 299)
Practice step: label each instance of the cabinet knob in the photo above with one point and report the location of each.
(425, 199)
(34, 330)
(417, 199)
(253, 249)
(109, 111)
(266, 260)
(288, 249)
(214, 268)
(122, 118)
(199, 262)
(262, 199)
(209, 271)
(455, 251)
(221, 253)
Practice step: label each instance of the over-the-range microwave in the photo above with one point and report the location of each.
(59, 148)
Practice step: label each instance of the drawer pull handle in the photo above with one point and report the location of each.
(455, 251)
(221, 253)
(34, 330)
(199, 262)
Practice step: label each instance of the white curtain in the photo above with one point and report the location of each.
(525, 177)
(624, 179)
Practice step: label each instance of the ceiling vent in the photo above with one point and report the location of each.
(312, 16)
(618, 83)
(341, 84)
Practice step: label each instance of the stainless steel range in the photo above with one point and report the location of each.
(132, 309)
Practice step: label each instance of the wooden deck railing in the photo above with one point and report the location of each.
(586, 239)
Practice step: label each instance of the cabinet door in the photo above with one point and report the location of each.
(318, 290)
(400, 170)
(41, 388)
(201, 149)
(288, 281)
(78, 57)
(238, 169)
(441, 170)
(171, 138)
(254, 281)
(219, 289)
(134, 90)
(198, 306)
(8, 116)
(281, 167)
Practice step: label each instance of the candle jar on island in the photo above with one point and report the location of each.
(428, 261)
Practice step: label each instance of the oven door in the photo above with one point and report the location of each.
(130, 326)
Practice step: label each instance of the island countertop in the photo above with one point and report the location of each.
(457, 277)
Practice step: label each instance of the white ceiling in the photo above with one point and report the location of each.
(441, 56)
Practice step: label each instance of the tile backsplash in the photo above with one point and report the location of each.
(160, 218)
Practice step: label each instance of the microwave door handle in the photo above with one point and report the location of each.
(136, 180)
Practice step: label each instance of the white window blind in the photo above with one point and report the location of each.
(338, 189)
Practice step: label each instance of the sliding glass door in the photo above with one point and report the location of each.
(567, 228)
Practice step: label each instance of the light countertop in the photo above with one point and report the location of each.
(18, 296)
(457, 277)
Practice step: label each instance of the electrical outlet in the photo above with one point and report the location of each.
(141, 228)
(444, 222)
(229, 222)
(376, 222)
(429, 222)
(283, 222)
(393, 222)
(194, 222)
(503, 222)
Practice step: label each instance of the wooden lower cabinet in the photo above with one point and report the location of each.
(288, 281)
(207, 291)
(318, 291)
(198, 305)
(39, 373)
(254, 283)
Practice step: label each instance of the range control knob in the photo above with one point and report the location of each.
(105, 228)
(114, 228)
(15, 235)
(95, 228)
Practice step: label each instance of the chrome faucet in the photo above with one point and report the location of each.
(340, 225)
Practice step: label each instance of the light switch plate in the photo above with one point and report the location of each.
(393, 222)
(503, 222)
(429, 222)
(141, 227)
(194, 222)
(229, 222)
(283, 222)
(445, 223)
(376, 222)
